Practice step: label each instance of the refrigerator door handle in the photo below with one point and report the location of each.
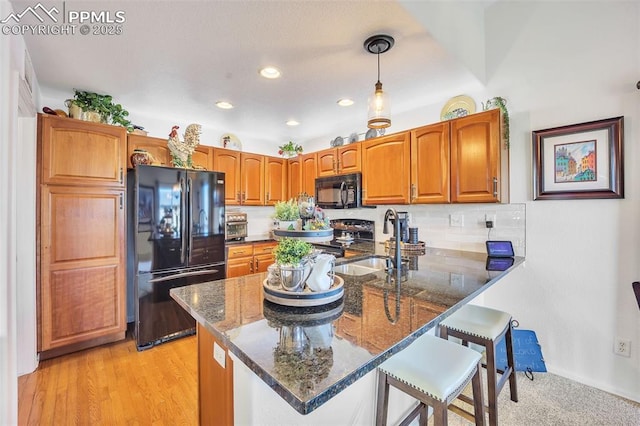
(184, 274)
(183, 203)
(188, 226)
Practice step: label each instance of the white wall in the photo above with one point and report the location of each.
(561, 63)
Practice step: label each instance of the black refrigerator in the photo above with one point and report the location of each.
(175, 238)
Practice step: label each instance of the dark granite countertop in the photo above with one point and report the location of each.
(308, 355)
(259, 238)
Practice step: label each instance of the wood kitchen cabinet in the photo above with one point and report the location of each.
(244, 176)
(246, 259)
(430, 164)
(386, 169)
(294, 177)
(81, 276)
(215, 380)
(340, 160)
(309, 173)
(157, 147)
(275, 180)
(476, 164)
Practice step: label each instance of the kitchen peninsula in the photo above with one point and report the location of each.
(254, 355)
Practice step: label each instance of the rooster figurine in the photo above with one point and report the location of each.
(181, 151)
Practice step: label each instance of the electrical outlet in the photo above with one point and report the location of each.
(622, 347)
(456, 219)
(490, 219)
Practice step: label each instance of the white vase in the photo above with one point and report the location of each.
(290, 225)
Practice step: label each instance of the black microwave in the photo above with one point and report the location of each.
(339, 192)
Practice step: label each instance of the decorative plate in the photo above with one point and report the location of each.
(338, 141)
(458, 106)
(371, 133)
(231, 141)
(305, 297)
(353, 137)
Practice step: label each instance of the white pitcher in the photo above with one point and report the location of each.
(319, 279)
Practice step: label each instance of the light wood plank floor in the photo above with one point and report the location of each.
(114, 385)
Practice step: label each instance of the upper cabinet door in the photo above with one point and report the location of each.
(75, 152)
(155, 146)
(475, 158)
(430, 164)
(275, 180)
(252, 179)
(294, 176)
(309, 173)
(326, 162)
(227, 161)
(339, 161)
(349, 159)
(386, 169)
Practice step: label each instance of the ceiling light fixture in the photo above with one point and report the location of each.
(379, 108)
(345, 102)
(224, 105)
(292, 123)
(270, 72)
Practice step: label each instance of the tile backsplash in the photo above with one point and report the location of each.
(450, 226)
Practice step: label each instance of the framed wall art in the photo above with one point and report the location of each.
(579, 161)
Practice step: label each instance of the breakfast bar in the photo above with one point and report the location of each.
(262, 362)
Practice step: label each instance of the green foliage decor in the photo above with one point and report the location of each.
(290, 149)
(287, 210)
(501, 103)
(109, 111)
(290, 251)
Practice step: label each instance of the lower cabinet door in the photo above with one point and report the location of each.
(82, 285)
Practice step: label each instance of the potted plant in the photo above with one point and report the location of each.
(287, 215)
(98, 108)
(291, 256)
(500, 102)
(289, 149)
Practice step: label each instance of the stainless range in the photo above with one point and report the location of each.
(357, 234)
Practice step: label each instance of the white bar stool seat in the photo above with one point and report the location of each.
(435, 372)
(486, 327)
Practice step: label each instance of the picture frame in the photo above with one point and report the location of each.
(579, 161)
(146, 206)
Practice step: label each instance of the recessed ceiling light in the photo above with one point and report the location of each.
(270, 72)
(345, 102)
(292, 123)
(224, 105)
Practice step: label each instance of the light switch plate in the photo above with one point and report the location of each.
(219, 354)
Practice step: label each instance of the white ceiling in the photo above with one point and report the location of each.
(175, 59)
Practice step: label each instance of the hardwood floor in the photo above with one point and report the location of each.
(114, 385)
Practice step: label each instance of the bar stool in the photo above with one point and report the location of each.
(434, 372)
(485, 327)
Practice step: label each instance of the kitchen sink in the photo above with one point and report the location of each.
(377, 263)
(362, 267)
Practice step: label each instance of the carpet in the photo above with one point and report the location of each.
(555, 401)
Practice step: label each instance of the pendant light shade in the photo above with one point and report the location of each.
(379, 106)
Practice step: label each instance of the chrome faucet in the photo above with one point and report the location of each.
(392, 214)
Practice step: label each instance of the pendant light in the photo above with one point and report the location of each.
(379, 107)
